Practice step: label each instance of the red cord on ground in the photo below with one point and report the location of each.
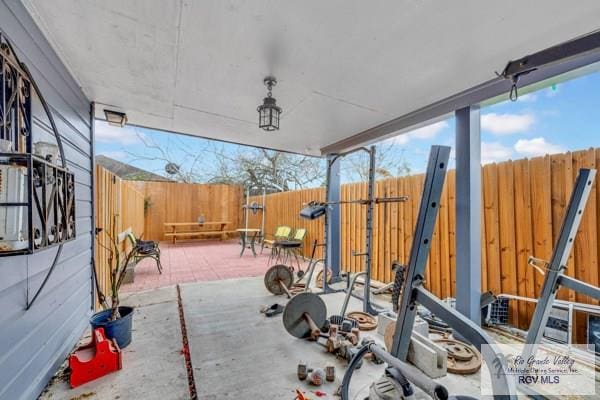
(185, 351)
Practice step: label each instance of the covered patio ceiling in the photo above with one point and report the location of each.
(197, 67)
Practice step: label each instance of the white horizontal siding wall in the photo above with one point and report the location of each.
(34, 343)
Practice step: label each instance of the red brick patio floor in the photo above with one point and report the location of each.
(198, 261)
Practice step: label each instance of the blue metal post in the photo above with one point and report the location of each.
(468, 213)
(333, 232)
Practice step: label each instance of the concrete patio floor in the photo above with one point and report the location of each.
(198, 261)
(236, 352)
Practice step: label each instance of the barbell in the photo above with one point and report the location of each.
(304, 316)
(315, 209)
(279, 280)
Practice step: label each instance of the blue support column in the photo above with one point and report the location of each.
(333, 232)
(468, 213)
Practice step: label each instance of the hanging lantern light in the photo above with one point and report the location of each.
(268, 112)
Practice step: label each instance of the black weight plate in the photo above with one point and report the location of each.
(293, 319)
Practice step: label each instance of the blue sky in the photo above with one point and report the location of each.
(563, 117)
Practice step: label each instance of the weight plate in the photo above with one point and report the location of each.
(293, 319)
(319, 278)
(463, 359)
(366, 322)
(278, 273)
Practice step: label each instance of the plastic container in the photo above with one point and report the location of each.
(119, 329)
(499, 312)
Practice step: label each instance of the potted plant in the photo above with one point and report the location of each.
(115, 319)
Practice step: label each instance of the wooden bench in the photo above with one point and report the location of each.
(191, 234)
(217, 229)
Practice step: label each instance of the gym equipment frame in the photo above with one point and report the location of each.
(369, 202)
(554, 276)
(553, 271)
(414, 293)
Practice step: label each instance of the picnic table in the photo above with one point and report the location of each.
(191, 229)
(243, 239)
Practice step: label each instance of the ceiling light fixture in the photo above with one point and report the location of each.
(268, 112)
(115, 118)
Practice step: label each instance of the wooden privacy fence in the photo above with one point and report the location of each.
(184, 202)
(523, 205)
(119, 206)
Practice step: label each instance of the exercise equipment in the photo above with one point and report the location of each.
(316, 209)
(553, 271)
(414, 294)
(366, 322)
(304, 316)
(98, 358)
(463, 359)
(279, 279)
(254, 208)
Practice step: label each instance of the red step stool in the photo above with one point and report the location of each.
(98, 358)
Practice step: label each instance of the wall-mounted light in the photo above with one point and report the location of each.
(268, 112)
(115, 118)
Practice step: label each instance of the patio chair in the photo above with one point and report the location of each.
(285, 249)
(145, 249)
(281, 233)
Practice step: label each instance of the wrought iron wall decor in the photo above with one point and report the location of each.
(37, 191)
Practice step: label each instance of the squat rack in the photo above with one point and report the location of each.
(254, 207)
(414, 293)
(332, 250)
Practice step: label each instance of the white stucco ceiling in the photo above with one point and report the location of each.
(343, 66)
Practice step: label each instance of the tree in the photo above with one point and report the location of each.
(206, 161)
(389, 162)
(275, 171)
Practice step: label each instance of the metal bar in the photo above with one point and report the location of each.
(428, 211)
(560, 255)
(332, 221)
(468, 215)
(94, 279)
(367, 307)
(555, 54)
(501, 383)
(580, 287)
(560, 304)
(349, 292)
(264, 202)
(397, 199)
(412, 374)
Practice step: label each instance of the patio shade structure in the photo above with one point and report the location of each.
(349, 73)
(343, 67)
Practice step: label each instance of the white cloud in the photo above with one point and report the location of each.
(537, 147)
(105, 133)
(506, 124)
(494, 152)
(528, 98)
(424, 133)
